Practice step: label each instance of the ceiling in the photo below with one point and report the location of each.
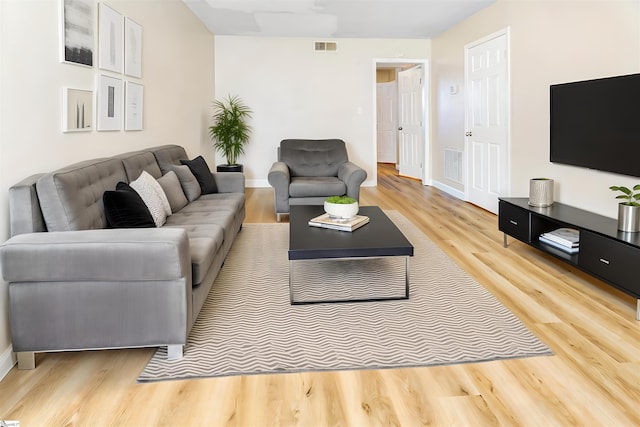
(386, 19)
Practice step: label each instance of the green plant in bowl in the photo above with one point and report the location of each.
(341, 200)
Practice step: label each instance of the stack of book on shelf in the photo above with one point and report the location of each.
(565, 239)
(325, 221)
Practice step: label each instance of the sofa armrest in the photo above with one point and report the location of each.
(353, 176)
(129, 255)
(279, 178)
(229, 182)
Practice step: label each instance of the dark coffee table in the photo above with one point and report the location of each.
(379, 238)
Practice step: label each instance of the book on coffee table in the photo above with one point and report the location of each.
(325, 221)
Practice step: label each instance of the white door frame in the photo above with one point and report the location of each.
(506, 32)
(426, 170)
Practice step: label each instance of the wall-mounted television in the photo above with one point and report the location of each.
(596, 124)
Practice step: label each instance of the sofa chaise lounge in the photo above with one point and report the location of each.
(75, 283)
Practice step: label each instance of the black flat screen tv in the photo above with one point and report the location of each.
(596, 124)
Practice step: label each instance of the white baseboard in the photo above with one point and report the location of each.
(7, 360)
(257, 183)
(448, 189)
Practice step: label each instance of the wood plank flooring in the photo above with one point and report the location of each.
(593, 379)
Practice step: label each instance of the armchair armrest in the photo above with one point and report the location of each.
(279, 178)
(353, 176)
(97, 255)
(229, 182)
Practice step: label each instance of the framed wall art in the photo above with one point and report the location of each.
(109, 103)
(77, 110)
(134, 103)
(132, 48)
(77, 32)
(110, 39)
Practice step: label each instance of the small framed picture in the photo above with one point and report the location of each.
(77, 110)
(77, 32)
(109, 103)
(134, 103)
(132, 48)
(110, 39)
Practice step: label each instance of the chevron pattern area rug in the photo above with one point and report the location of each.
(248, 326)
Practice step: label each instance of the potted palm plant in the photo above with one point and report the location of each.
(230, 131)
(629, 210)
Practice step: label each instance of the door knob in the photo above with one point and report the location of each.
(468, 134)
(400, 128)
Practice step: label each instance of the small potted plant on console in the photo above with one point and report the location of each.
(629, 210)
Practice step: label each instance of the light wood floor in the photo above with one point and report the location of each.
(592, 380)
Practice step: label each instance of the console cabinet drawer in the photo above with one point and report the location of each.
(611, 260)
(514, 221)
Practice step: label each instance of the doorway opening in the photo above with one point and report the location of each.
(401, 116)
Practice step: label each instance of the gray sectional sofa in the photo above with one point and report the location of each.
(76, 283)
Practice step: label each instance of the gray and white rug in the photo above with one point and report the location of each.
(248, 325)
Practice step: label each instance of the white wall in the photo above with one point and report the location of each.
(178, 55)
(551, 42)
(298, 93)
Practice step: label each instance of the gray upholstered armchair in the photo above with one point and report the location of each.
(310, 170)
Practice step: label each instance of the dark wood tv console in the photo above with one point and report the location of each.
(611, 255)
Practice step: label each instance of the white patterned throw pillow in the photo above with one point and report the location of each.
(153, 196)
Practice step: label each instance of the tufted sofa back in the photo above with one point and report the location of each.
(71, 198)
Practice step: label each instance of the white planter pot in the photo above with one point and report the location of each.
(341, 211)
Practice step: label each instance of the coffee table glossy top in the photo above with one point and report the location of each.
(380, 237)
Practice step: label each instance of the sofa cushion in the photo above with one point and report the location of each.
(169, 154)
(230, 202)
(136, 162)
(316, 186)
(189, 183)
(173, 190)
(124, 208)
(204, 242)
(202, 172)
(153, 196)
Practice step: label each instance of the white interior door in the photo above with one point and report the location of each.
(387, 122)
(487, 121)
(410, 123)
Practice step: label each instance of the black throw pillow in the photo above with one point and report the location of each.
(201, 171)
(124, 208)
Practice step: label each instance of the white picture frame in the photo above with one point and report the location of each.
(77, 31)
(132, 48)
(109, 103)
(110, 39)
(77, 110)
(134, 106)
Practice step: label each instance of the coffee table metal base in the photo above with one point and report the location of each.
(369, 268)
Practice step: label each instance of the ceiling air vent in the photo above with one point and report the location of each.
(325, 46)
